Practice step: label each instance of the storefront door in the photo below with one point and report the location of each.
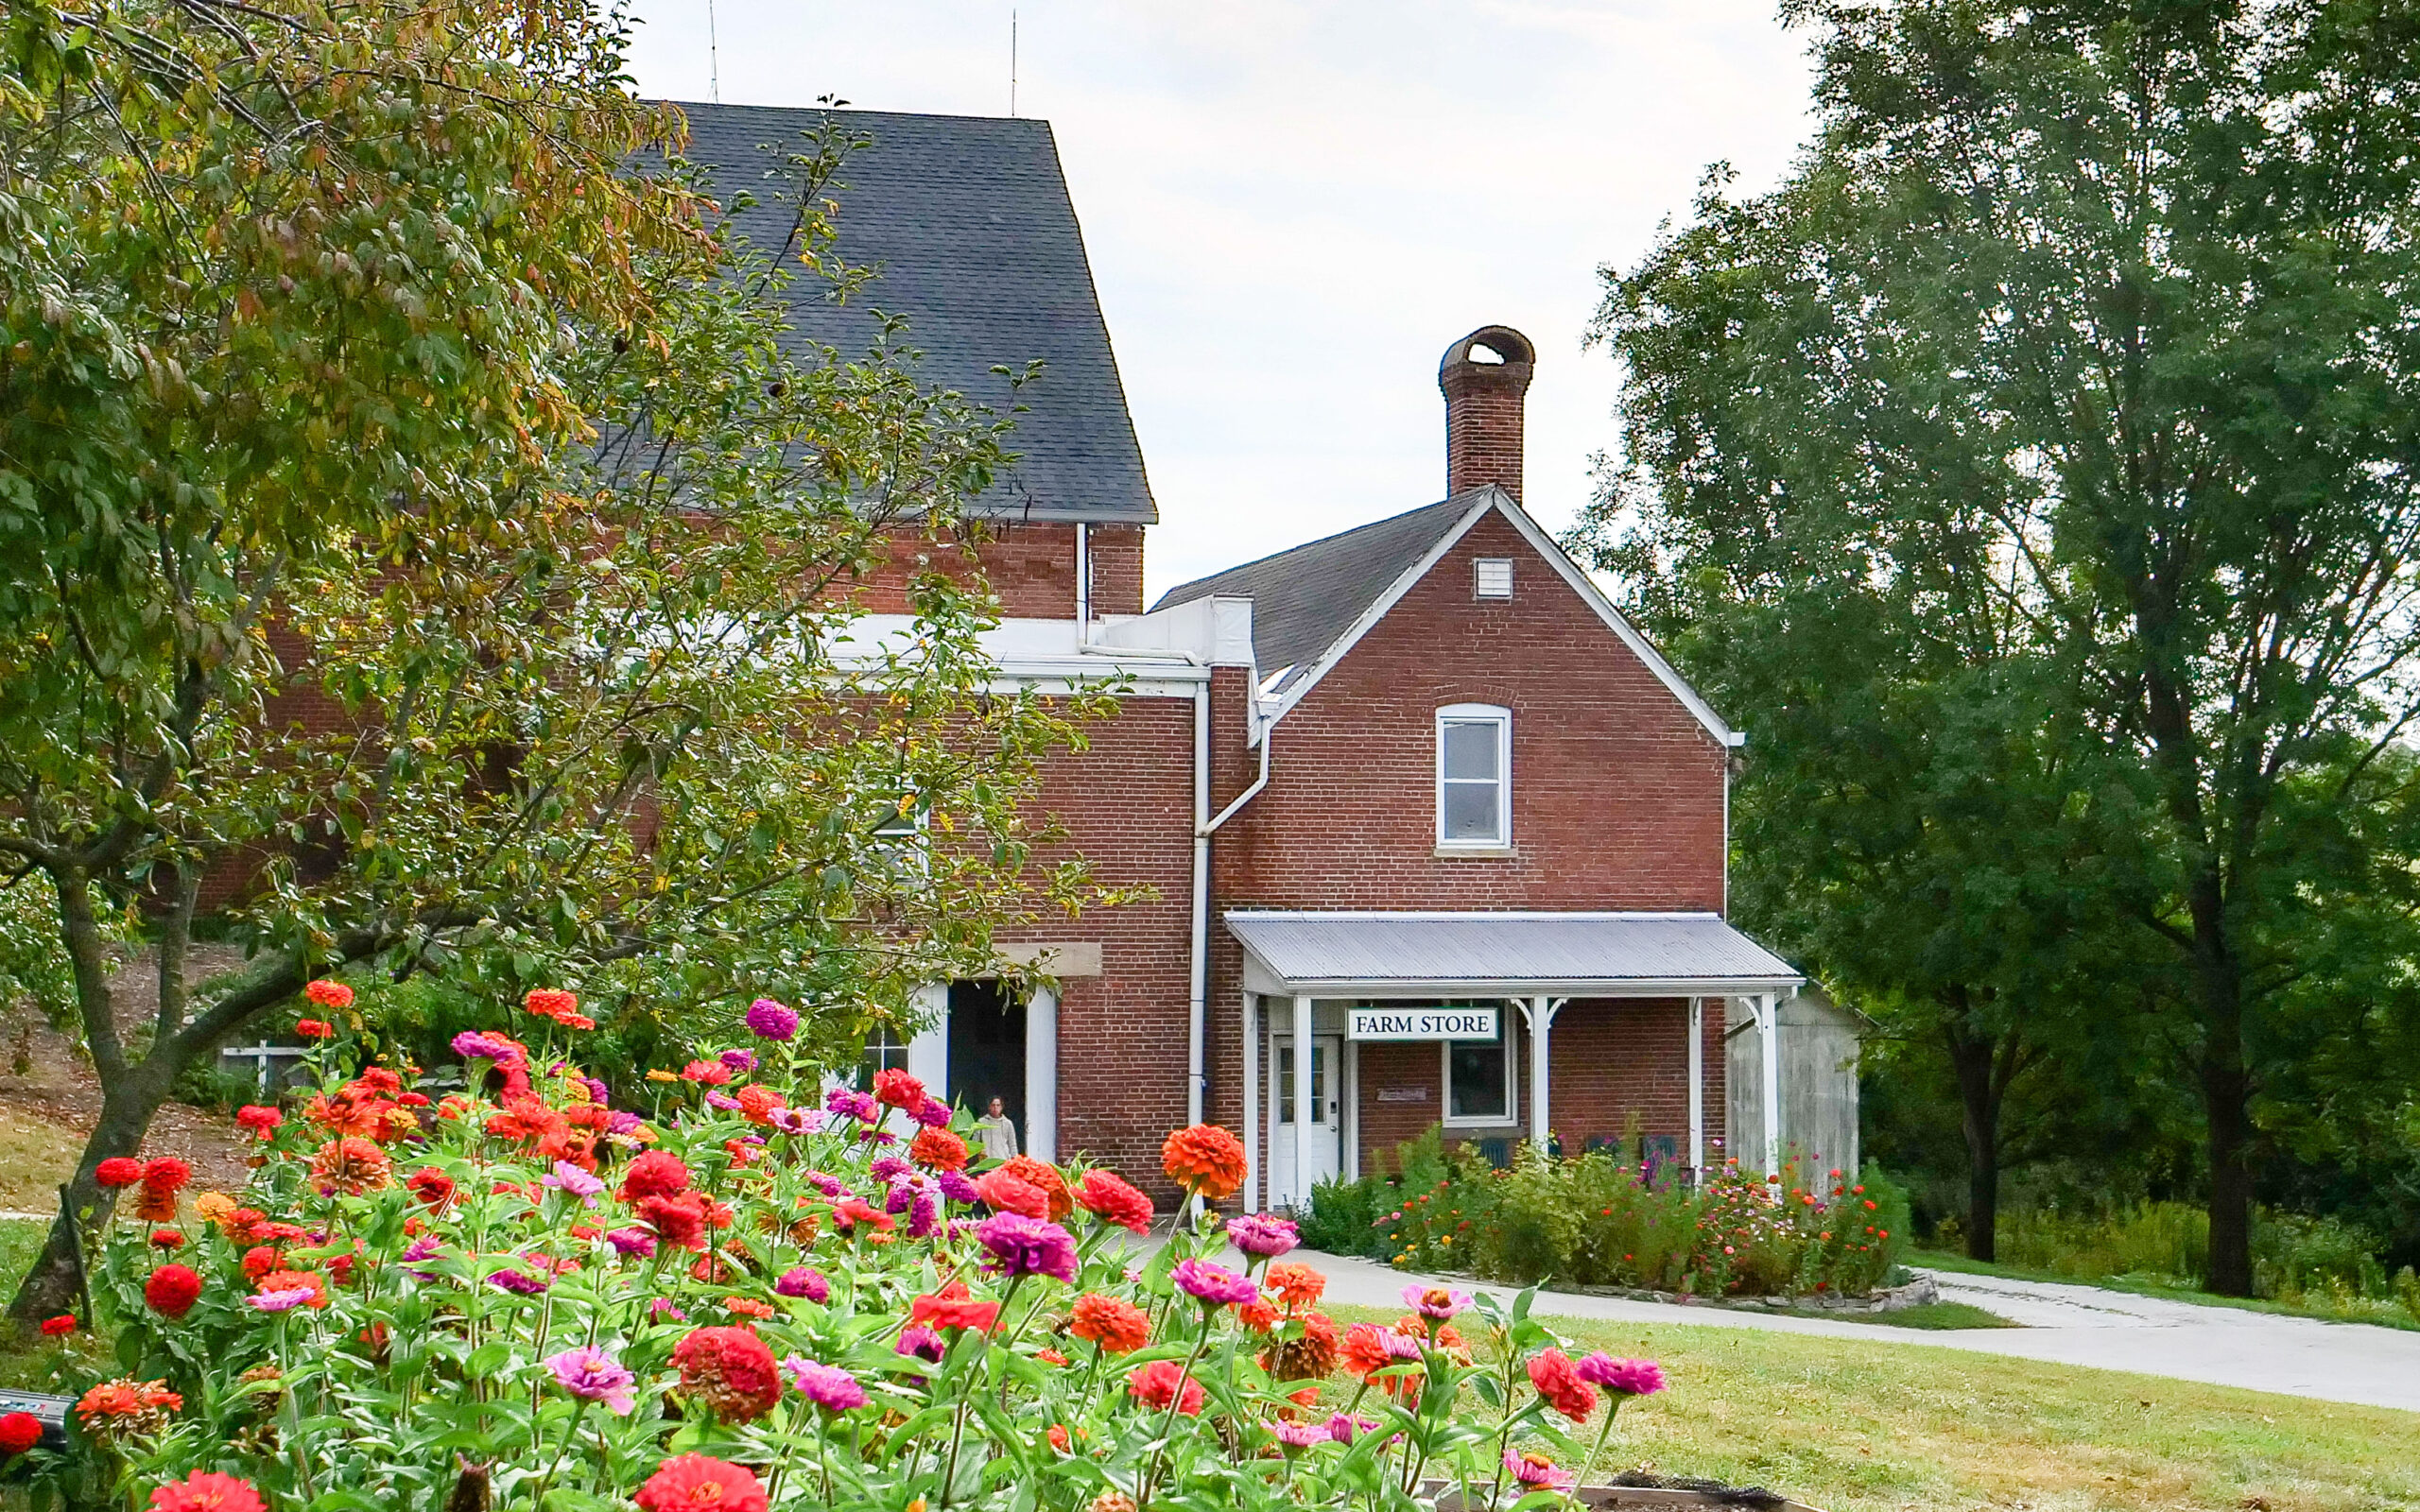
(1325, 1120)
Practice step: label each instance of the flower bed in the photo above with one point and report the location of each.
(752, 1296)
(1602, 1220)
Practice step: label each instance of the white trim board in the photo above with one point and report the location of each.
(1482, 500)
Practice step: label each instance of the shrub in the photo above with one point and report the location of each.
(520, 1295)
(1344, 1218)
(2167, 1241)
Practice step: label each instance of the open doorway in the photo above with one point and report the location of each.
(987, 1051)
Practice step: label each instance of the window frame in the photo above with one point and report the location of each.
(881, 1042)
(1511, 1117)
(1470, 714)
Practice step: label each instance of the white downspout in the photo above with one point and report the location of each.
(1197, 1010)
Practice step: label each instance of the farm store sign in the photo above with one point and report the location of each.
(1423, 1023)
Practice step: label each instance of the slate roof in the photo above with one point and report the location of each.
(969, 220)
(1304, 599)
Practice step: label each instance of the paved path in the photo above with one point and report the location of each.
(2064, 1324)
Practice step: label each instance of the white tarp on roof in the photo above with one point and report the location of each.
(1446, 954)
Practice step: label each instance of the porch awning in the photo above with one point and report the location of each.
(1502, 954)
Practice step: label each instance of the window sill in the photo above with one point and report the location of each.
(1475, 852)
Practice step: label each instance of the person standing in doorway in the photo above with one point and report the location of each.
(999, 1133)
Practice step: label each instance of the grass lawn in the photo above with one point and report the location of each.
(1851, 1426)
(1924, 1316)
(2385, 1314)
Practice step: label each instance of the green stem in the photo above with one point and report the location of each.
(569, 1433)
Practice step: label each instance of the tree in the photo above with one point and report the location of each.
(2142, 274)
(414, 542)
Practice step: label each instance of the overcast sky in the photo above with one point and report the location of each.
(1293, 209)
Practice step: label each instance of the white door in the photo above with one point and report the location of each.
(1326, 1123)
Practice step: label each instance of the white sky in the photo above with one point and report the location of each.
(1293, 209)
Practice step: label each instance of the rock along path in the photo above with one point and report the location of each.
(2064, 1324)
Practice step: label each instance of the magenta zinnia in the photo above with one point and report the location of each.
(1028, 1247)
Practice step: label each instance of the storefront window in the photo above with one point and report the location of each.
(885, 1051)
(1478, 1076)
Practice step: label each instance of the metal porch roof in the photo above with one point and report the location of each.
(1571, 955)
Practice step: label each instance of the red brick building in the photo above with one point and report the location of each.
(1437, 837)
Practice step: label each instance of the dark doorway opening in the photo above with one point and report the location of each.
(987, 1049)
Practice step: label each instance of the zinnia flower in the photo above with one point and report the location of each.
(521, 1282)
(351, 1165)
(740, 1062)
(207, 1492)
(938, 1149)
(1301, 1435)
(895, 1088)
(1005, 1192)
(1297, 1285)
(1024, 1246)
(262, 1121)
(1558, 1381)
(1214, 1284)
(19, 1431)
(329, 994)
(476, 1044)
(1436, 1303)
(633, 1242)
(952, 1308)
(118, 1171)
(592, 1375)
(1164, 1381)
(729, 1370)
(1045, 1179)
(1536, 1470)
(768, 1020)
(571, 1179)
(699, 1483)
(315, 1028)
(827, 1385)
(1262, 1235)
(803, 1281)
(1204, 1159)
(1118, 1327)
(1112, 1198)
(1621, 1378)
(679, 1222)
(1309, 1354)
(172, 1291)
(654, 1174)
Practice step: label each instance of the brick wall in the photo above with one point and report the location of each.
(1032, 567)
(1127, 805)
(1617, 1060)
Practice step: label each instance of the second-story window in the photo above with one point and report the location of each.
(1474, 777)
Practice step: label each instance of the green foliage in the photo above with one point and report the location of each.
(1344, 1217)
(2037, 462)
(2167, 1242)
(1596, 1220)
(209, 1085)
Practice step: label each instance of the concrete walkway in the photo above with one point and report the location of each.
(2064, 1324)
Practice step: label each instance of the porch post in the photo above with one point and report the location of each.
(1252, 1102)
(1302, 1103)
(1768, 1053)
(1041, 1074)
(1540, 1012)
(1697, 1090)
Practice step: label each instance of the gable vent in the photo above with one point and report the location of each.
(1493, 579)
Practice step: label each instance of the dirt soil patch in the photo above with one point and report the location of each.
(48, 1111)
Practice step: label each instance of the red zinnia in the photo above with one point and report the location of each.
(938, 1149)
(1112, 1198)
(60, 1327)
(207, 1492)
(1558, 1381)
(654, 1174)
(1005, 1192)
(434, 1187)
(851, 1212)
(260, 1260)
(118, 1171)
(699, 1483)
(315, 1028)
(551, 1001)
(1158, 1383)
(263, 1121)
(1117, 1326)
(679, 1222)
(1044, 1178)
(167, 1239)
(167, 1172)
(950, 1308)
(730, 1371)
(19, 1431)
(1206, 1159)
(172, 1291)
(898, 1089)
(329, 994)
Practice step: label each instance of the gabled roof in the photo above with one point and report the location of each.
(1304, 599)
(1312, 603)
(969, 221)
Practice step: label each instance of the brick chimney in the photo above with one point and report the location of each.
(1485, 376)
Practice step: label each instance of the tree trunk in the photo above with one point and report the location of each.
(1979, 1092)
(2226, 1100)
(54, 1285)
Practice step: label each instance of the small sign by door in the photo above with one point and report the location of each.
(1423, 1023)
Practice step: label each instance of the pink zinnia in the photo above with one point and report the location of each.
(1262, 1236)
(803, 1281)
(768, 1020)
(827, 1385)
(1215, 1285)
(1623, 1378)
(1027, 1246)
(1536, 1470)
(1302, 1436)
(1436, 1303)
(592, 1375)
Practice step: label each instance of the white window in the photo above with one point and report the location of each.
(1474, 777)
(1478, 1075)
(886, 1050)
(1493, 577)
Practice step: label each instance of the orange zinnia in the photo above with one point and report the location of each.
(1118, 1327)
(1046, 1178)
(1204, 1159)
